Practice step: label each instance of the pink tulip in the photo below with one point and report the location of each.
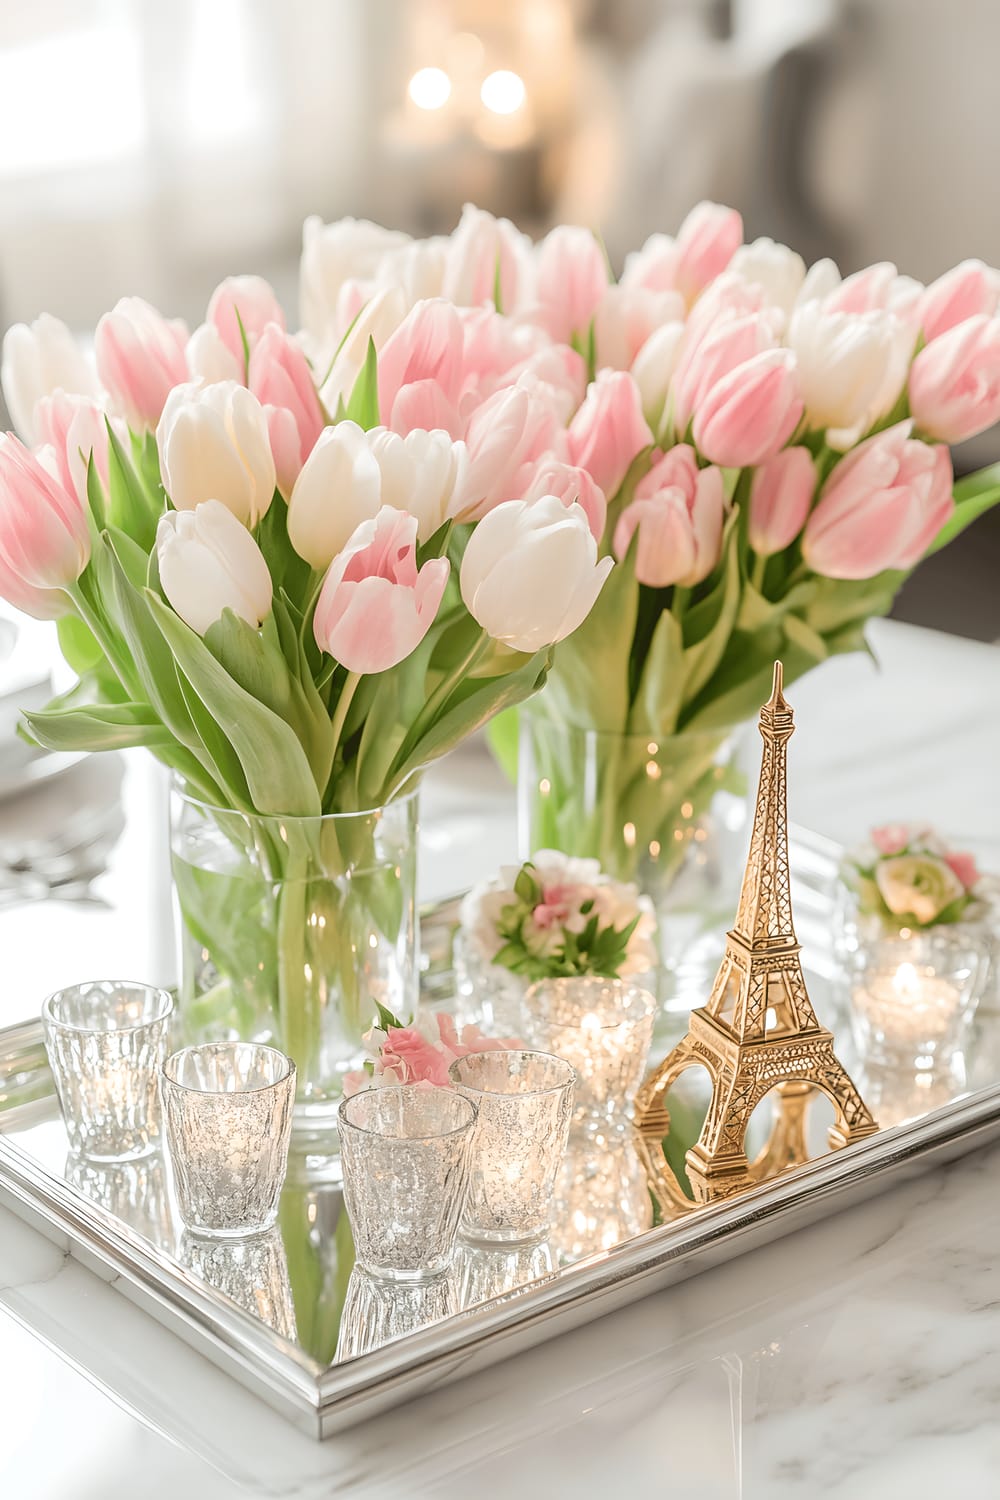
(427, 345)
(780, 497)
(609, 430)
(279, 376)
(571, 278)
(706, 243)
(726, 300)
(494, 346)
(750, 414)
(966, 291)
(510, 431)
(559, 375)
(254, 300)
(478, 253)
(44, 538)
(881, 506)
(626, 318)
(75, 428)
(570, 484)
(375, 607)
(964, 866)
(424, 406)
(955, 381)
(865, 291)
(140, 358)
(678, 511)
(703, 364)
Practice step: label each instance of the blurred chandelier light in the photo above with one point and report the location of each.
(430, 88)
(503, 92)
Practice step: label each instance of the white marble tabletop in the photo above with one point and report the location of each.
(859, 1358)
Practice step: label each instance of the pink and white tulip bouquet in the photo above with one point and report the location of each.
(295, 610)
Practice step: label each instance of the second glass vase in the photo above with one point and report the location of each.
(669, 815)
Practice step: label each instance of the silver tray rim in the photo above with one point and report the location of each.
(324, 1399)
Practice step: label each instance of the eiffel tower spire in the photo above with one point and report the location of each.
(764, 917)
(758, 1031)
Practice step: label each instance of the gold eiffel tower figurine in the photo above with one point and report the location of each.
(758, 1031)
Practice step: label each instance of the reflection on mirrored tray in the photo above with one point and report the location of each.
(300, 1280)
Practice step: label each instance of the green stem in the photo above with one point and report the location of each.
(437, 701)
(343, 705)
(757, 574)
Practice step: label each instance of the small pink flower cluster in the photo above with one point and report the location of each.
(421, 1053)
(910, 876)
(892, 839)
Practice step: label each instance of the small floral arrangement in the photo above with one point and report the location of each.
(420, 1053)
(560, 917)
(908, 875)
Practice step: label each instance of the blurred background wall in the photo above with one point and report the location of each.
(154, 146)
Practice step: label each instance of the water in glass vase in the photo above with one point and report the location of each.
(291, 929)
(670, 815)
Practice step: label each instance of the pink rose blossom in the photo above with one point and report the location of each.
(891, 838)
(964, 866)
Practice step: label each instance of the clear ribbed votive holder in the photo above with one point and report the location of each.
(524, 1101)
(405, 1156)
(603, 1027)
(228, 1114)
(105, 1041)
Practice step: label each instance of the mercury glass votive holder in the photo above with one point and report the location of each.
(405, 1156)
(524, 1101)
(603, 1027)
(913, 993)
(228, 1114)
(105, 1040)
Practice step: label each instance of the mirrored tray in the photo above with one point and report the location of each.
(289, 1316)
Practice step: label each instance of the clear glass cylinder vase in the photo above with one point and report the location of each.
(290, 930)
(669, 815)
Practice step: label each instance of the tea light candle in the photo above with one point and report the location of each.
(907, 1011)
(603, 1028)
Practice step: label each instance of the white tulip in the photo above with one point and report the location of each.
(209, 359)
(214, 445)
(38, 359)
(378, 319)
(849, 364)
(335, 253)
(776, 269)
(419, 473)
(821, 279)
(625, 318)
(339, 487)
(530, 573)
(416, 269)
(209, 562)
(653, 368)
